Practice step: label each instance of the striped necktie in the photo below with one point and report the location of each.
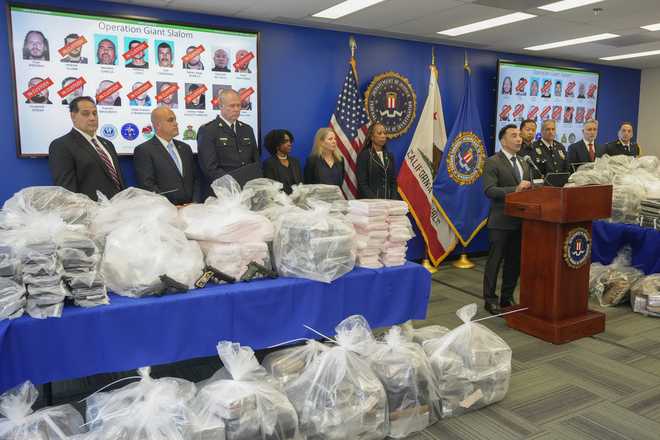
(108, 164)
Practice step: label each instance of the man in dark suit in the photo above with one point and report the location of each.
(585, 150)
(226, 145)
(548, 154)
(166, 165)
(81, 161)
(504, 173)
(624, 145)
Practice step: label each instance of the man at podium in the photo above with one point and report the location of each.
(504, 173)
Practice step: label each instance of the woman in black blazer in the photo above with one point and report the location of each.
(325, 164)
(281, 166)
(375, 167)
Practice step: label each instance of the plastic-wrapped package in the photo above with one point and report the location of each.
(233, 259)
(150, 409)
(9, 262)
(131, 205)
(42, 275)
(645, 295)
(306, 196)
(215, 221)
(338, 396)
(138, 253)
(73, 208)
(240, 403)
(423, 334)
(267, 198)
(472, 365)
(288, 364)
(648, 163)
(313, 244)
(406, 374)
(611, 284)
(12, 299)
(18, 422)
(80, 258)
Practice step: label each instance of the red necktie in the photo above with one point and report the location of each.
(108, 164)
(592, 153)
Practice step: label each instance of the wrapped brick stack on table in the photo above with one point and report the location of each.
(305, 196)
(645, 295)
(80, 259)
(383, 231)
(230, 235)
(13, 297)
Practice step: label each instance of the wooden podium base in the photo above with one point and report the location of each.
(557, 332)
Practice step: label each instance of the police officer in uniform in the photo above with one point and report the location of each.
(226, 145)
(548, 154)
(527, 133)
(624, 145)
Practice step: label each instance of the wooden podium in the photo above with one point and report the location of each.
(555, 260)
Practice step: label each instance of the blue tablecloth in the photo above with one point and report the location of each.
(130, 333)
(608, 238)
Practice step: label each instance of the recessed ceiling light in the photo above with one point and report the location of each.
(345, 8)
(632, 55)
(652, 27)
(567, 4)
(573, 42)
(487, 24)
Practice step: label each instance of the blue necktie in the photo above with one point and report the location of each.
(175, 158)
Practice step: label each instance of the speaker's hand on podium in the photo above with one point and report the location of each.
(524, 185)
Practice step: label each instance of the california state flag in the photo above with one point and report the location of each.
(416, 177)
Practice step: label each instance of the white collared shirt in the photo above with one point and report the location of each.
(176, 151)
(98, 141)
(518, 160)
(624, 144)
(547, 144)
(228, 124)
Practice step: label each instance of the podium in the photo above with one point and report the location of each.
(555, 260)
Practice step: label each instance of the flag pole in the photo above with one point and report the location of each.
(463, 261)
(426, 263)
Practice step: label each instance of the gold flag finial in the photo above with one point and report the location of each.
(433, 55)
(353, 45)
(466, 65)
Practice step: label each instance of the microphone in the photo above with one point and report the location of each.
(533, 165)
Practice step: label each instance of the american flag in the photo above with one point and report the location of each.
(350, 123)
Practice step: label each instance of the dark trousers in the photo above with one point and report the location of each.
(504, 246)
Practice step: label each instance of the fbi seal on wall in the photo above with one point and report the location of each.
(577, 247)
(466, 158)
(391, 101)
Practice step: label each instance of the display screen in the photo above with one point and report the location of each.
(527, 91)
(128, 66)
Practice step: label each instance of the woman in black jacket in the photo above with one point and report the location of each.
(375, 167)
(325, 164)
(281, 166)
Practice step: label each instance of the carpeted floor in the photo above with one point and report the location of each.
(601, 388)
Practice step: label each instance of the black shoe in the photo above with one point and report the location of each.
(506, 303)
(493, 309)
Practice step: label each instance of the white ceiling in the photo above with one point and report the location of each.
(421, 19)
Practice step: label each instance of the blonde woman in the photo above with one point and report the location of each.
(325, 164)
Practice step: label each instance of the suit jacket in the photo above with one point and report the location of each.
(312, 174)
(275, 171)
(156, 171)
(376, 179)
(220, 150)
(76, 166)
(498, 181)
(579, 153)
(616, 148)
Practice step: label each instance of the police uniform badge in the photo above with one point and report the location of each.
(466, 158)
(390, 100)
(538, 151)
(561, 154)
(577, 247)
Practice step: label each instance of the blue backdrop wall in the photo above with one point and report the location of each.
(302, 70)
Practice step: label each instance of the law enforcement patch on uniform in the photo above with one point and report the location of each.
(466, 158)
(391, 101)
(577, 247)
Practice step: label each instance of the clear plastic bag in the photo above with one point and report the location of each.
(314, 245)
(233, 259)
(288, 364)
(138, 253)
(150, 409)
(241, 403)
(217, 222)
(307, 197)
(611, 284)
(12, 299)
(266, 197)
(72, 208)
(645, 295)
(129, 206)
(338, 396)
(18, 422)
(472, 365)
(406, 374)
(423, 334)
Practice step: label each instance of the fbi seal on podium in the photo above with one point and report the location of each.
(577, 247)
(391, 101)
(465, 158)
